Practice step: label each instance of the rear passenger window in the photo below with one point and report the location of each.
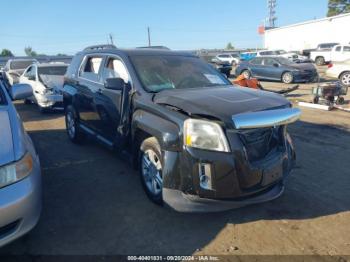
(91, 68)
(346, 49)
(338, 48)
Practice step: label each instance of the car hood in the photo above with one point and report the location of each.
(220, 102)
(6, 141)
(306, 66)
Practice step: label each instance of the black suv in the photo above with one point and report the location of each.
(200, 143)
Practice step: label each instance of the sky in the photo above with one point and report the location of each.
(67, 26)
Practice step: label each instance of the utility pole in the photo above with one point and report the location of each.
(111, 39)
(149, 36)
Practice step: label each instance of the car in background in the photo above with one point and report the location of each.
(46, 81)
(266, 53)
(341, 71)
(337, 54)
(20, 176)
(223, 67)
(14, 68)
(277, 68)
(246, 56)
(293, 56)
(320, 47)
(232, 59)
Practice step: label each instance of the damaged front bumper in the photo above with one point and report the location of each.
(261, 158)
(49, 100)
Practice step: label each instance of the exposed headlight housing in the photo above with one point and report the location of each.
(205, 135)
(16, 171)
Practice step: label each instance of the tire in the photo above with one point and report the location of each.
(315, 100)
(320, 61)
(72, 126)
(340, 101)
(344, 78)
(246, 74)
(150, 168)
(287, 78)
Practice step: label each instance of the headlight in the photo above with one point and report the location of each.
(205, 135)
(14, 172)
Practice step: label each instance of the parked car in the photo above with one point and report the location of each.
(233, 59)
(20, 177)
(200, 143)
(266, 53)
(277, 68)
(320, 47)
(337, 54)
(341, 71)
(293, 56)
(223, 67)
(14, 68)
(47, 83)
(247, 56)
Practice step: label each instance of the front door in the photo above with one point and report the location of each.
(109, 106)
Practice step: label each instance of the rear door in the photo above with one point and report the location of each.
(256, 67)
(88, 86)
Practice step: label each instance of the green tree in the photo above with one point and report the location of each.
(229, 46)
(6, 52)
(29, 51)
(336, 7)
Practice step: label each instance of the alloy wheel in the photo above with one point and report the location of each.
(70, 125)
(152, 171)
(345, 79)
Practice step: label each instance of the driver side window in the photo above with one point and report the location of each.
(30, 73)
(114, 68)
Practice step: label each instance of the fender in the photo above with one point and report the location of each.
(167, 133)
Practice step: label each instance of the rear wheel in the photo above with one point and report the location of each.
(320, 61)
(150, 163)
(287, 78)
(345, 79)
(72, 126)
(246, 74)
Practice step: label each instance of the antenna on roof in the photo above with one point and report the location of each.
(271, 19)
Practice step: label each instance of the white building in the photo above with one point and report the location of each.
(309, 34)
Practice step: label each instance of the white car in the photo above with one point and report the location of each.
(341, 71)
(293, 56)
(15, 67)
(337, 54)
(233, 59)
(46, 81)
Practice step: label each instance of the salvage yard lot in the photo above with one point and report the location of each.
(94, 203)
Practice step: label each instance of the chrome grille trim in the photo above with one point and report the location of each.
(268, 118)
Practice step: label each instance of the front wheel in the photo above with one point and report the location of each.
(345, 79)
(72, 126)
(287, 78)
(150, 163)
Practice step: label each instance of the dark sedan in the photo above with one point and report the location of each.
(277, 68)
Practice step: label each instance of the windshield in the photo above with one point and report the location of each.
(21, 64)
(284, 61)
(52, 70)
(176, 72)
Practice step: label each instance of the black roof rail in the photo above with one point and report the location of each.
(156, 47)
(97, 47)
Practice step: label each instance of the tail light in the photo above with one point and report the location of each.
(330, 65)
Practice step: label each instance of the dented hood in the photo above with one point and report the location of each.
(220, 102)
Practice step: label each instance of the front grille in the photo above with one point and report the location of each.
(260, 142)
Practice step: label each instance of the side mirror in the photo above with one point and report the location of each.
(276, 65)
(21, 91)
(114, 83)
